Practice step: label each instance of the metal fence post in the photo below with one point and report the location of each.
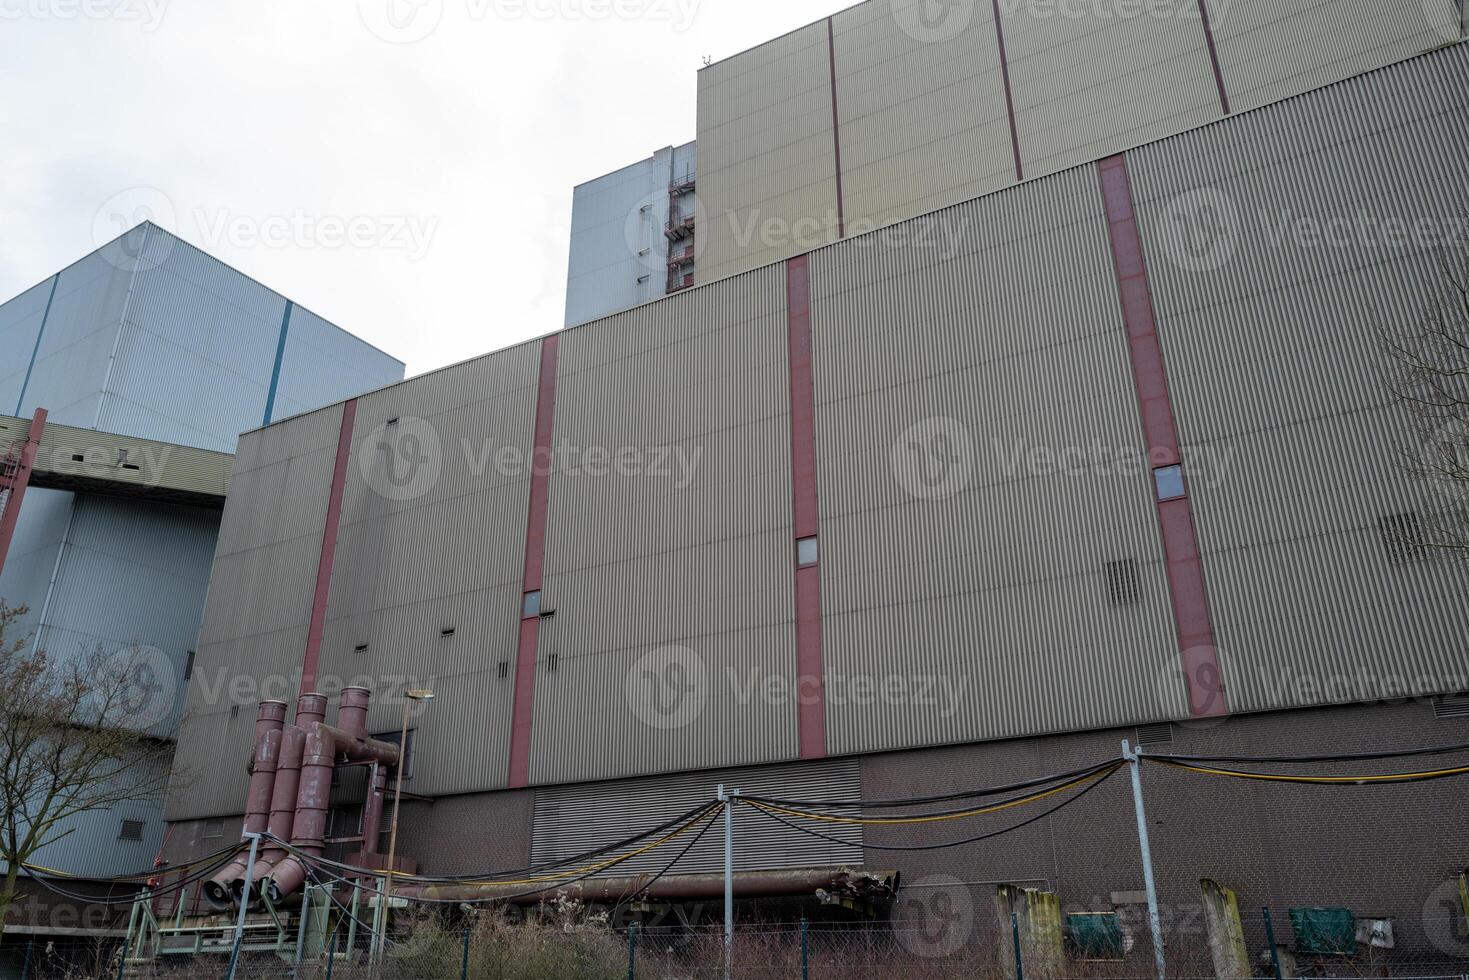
(1270, 938)
(464, 963)
(805, 951)
(1155, 920)
(331, 957)
(244, 905)
(632, 951)
(25, 966)
(1015, 935)
(728, 880)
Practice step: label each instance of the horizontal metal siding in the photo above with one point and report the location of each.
(446, 555)
(696, 563)
(982, 611)
(1275, 366)
(570, 820)
(923, 122)
(258, 607)
(1091, 85)
(766, 153)
(1273, 49)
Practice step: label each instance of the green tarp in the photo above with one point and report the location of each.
(1324, 932)
(1095, 936)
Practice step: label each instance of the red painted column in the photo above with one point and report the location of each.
(328, 548)
(1201, 671)
(810, 683)
(17, 481)
(535, 554)
(836, 129)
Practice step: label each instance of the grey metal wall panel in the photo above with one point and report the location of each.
(324, 363)
(1273, 49)
(619, 252)
(962, 572)
(441, 549)
(1270, 334)
(689, 554)
(570, 820)
(767, 158)
(1090, 84)
(20, 325)
(911, 105)
(33, 550)
(92, 846)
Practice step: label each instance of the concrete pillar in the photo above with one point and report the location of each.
(1038, 915)
(1226, 933)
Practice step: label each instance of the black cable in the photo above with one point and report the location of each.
(669, 866)
(1352, 757)
(944, 798)
(1077, 777)
(153, 872)
(108, 900)
(685, 817)
(937, 847)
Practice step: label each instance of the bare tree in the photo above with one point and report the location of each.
(1429, 376)
(76, 735)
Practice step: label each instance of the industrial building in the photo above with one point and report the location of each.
(1028, 401)
(129, 375)
(633, 235)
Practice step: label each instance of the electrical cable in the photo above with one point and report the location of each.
(179, 885)
(1350, 757)
(944, 798)
(946, 844)
(490, 876)
(150, 873)
(1359, 780)
(709, 822)
(935, 817)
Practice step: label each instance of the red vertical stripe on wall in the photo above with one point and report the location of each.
(535, 554)
(1200, 659)
(836, 129)
(811, 710)
(328, 548)
(1009, 97)
(17, 483)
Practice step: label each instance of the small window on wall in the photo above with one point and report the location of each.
(807, 552)
(1169, 482)
(213, 828)
(530, 606)
(131, 830)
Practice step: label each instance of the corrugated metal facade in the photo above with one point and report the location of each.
(20, 328)
(1279, 245)
(767, 170)
(570, 820)
(690, 553)
(965, 527)
(920, 97)
(911, 109)
(980, 466)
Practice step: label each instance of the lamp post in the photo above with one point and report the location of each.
(387, 881)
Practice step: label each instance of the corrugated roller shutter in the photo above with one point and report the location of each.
(573, 819)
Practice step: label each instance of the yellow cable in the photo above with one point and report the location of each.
(992, 808)
(1286, 778)
(143, 876)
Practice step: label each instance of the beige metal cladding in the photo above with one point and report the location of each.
(1273, 49)
(1279, 244)
(258, 606)
(923, 120)
(980, 462)
(1089, 83)
(668, 547)
(70, 457)
(571, 820)
(432, 538)
(767, 162)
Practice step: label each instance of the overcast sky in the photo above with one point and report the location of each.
(449, 133)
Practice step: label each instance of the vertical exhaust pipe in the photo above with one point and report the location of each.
(268, 723)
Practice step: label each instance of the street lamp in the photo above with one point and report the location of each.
(387, 880)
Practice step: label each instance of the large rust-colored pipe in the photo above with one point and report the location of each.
(751, 884)
(268, 722)
(352, 711)
(372, 809)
